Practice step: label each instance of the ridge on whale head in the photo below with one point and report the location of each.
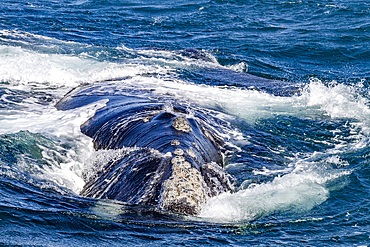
(173, 158)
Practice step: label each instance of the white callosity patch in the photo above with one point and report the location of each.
(181, 124)
(191, 153)
(175, 142)
(184, 191)
(179, 152)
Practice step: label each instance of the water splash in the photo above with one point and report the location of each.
(296, 192)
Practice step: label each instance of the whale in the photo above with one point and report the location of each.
(172, 155)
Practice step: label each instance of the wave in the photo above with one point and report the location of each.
(306, 186)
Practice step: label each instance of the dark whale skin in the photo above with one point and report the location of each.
(173, 156)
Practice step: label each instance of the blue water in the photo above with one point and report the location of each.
(299, 138)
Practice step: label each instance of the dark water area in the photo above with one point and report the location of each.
(288, 82)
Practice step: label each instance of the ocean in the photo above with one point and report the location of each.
(289, 80)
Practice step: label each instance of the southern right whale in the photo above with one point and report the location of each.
(173, 157)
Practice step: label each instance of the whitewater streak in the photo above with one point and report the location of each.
(298, 191)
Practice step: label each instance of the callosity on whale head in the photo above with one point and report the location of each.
(173, 157)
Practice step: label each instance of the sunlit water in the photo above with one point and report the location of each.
(298, 144)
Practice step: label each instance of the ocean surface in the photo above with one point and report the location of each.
(299, 137)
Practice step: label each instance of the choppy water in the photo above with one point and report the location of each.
(301, 147)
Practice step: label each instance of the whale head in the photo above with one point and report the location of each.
(171, 158)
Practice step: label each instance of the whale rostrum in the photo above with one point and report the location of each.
(174, 159)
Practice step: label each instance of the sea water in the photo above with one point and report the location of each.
(298, 140)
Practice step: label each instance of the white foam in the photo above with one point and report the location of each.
(20, 66)
(96, 162)
(47, 120)
(173, 59)
(241, 67)
(67, 173)
(247, 104)
(336, 101)
(298, 191)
